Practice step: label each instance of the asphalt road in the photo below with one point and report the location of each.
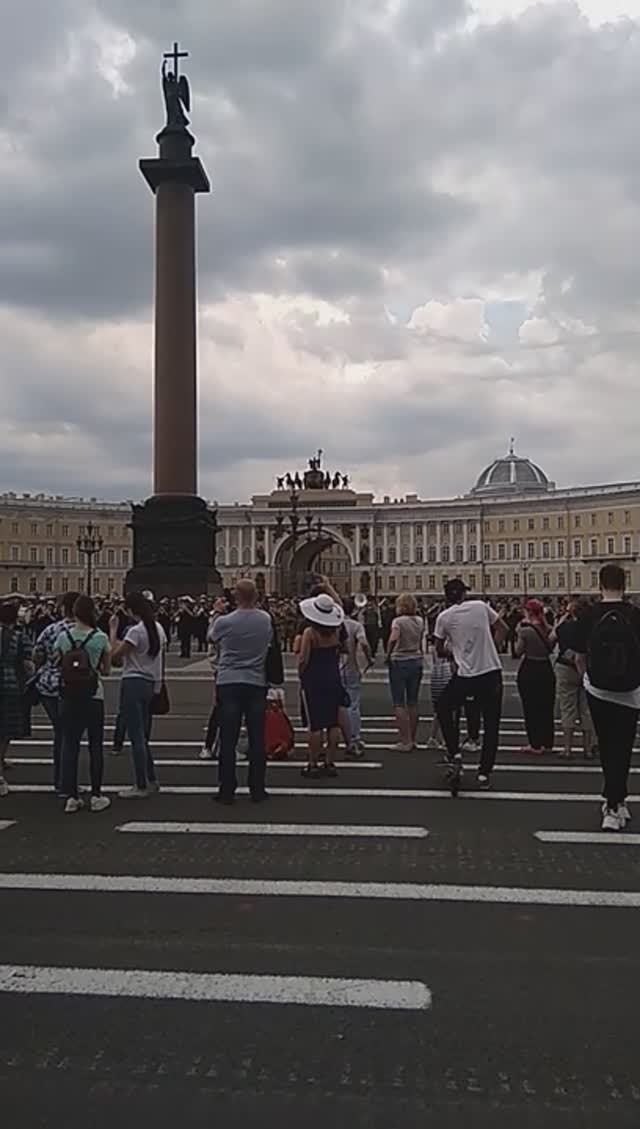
(395, 959)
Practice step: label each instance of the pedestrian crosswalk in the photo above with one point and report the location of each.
(343, 900)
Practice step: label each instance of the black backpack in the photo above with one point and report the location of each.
(613, 657)
(79, 679)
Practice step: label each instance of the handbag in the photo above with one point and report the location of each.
(160, 704)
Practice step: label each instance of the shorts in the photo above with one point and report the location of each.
(405, 678)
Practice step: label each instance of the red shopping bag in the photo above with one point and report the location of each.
(279, 737)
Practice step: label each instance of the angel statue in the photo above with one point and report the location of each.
(176, 95)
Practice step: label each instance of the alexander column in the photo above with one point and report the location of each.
(174, 531)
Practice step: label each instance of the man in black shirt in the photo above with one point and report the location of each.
(607, 645)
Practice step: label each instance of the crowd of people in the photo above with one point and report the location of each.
(582, 656)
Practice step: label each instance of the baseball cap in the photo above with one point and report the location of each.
(455, 589)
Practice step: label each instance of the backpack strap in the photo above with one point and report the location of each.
(80, 644)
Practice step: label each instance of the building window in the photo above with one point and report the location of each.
(502, 551)
(233, 557)
(65, 530)
(49, 556)
(515, 551)
(577, 521)
(472, 527)
(432, 581)
(34, 529)
(111, 557)
(487, 552)
(49, 531)
(594, 519)
(406, 555)
(472, 579)
(561, 581)
(487, 581)
(594, 546)
(33, 584)
(500, 527)
(459, 554)
(14, 583)
(445, 527)
(457, 527)
(531, 576)
(487, 527)
(125, 558)
(15, 552)
(545, 523)
(610, 517)
(560, 548)
(577, 548)
(15, 528)
(446, 554)
(502, 580)
(419, 554)
(405, 582)
(546, 550)
(627, 544)
(96, 584)
(611, 546)
(516, 580)
(531, 550)
(392, 583)
(627, 578)
(64, 584)
(473, 552)
(627, 517)
(546, 580)
(378, 554)
(531, 523)
(516, 525)
(65, 556)
(111, 532)
(432, 554)
(418, 580)
(561, 522)
(33, 555)
(577, 580)
(594, 580)
(48, 584)
(392, 554)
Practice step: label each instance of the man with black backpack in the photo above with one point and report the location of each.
(607, 646)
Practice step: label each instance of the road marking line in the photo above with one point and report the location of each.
(609, 838)
(5, 824)
(366, 793)
(311, 991)
(330, 830)
(196, 762)
(259, 887)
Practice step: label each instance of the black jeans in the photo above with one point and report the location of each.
(537, 689)
(236, 702)
(615, 727)
(185, 646)
(212, 728)
(77, 718)
(486, 690)
(472, 717)
(52, 706)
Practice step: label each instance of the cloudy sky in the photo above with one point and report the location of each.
(423, 239)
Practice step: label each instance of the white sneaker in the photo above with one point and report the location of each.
(99, 803)
(624, 812)
(471, 746)
(612, 821)
(432, 743)
(4, 787)
(134, 793)
(205, 754)
(72, 805)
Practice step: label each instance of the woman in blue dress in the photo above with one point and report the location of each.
(322, 690)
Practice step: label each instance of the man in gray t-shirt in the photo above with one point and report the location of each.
(243, 638)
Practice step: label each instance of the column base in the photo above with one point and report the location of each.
(174, 547)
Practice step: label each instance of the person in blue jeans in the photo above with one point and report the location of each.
(47, 663)
(82, 709)
(405, 657)
(243, 639)
(141, 655)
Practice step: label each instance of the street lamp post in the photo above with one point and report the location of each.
(293, 520)
(89, 545)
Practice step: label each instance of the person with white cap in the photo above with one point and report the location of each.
(323, 693)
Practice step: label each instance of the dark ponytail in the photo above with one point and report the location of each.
(139, 605)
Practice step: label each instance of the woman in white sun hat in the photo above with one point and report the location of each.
(322, 691)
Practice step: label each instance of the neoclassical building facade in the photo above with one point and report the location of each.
(513, 534)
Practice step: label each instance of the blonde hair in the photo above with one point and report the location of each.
(406, 604)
